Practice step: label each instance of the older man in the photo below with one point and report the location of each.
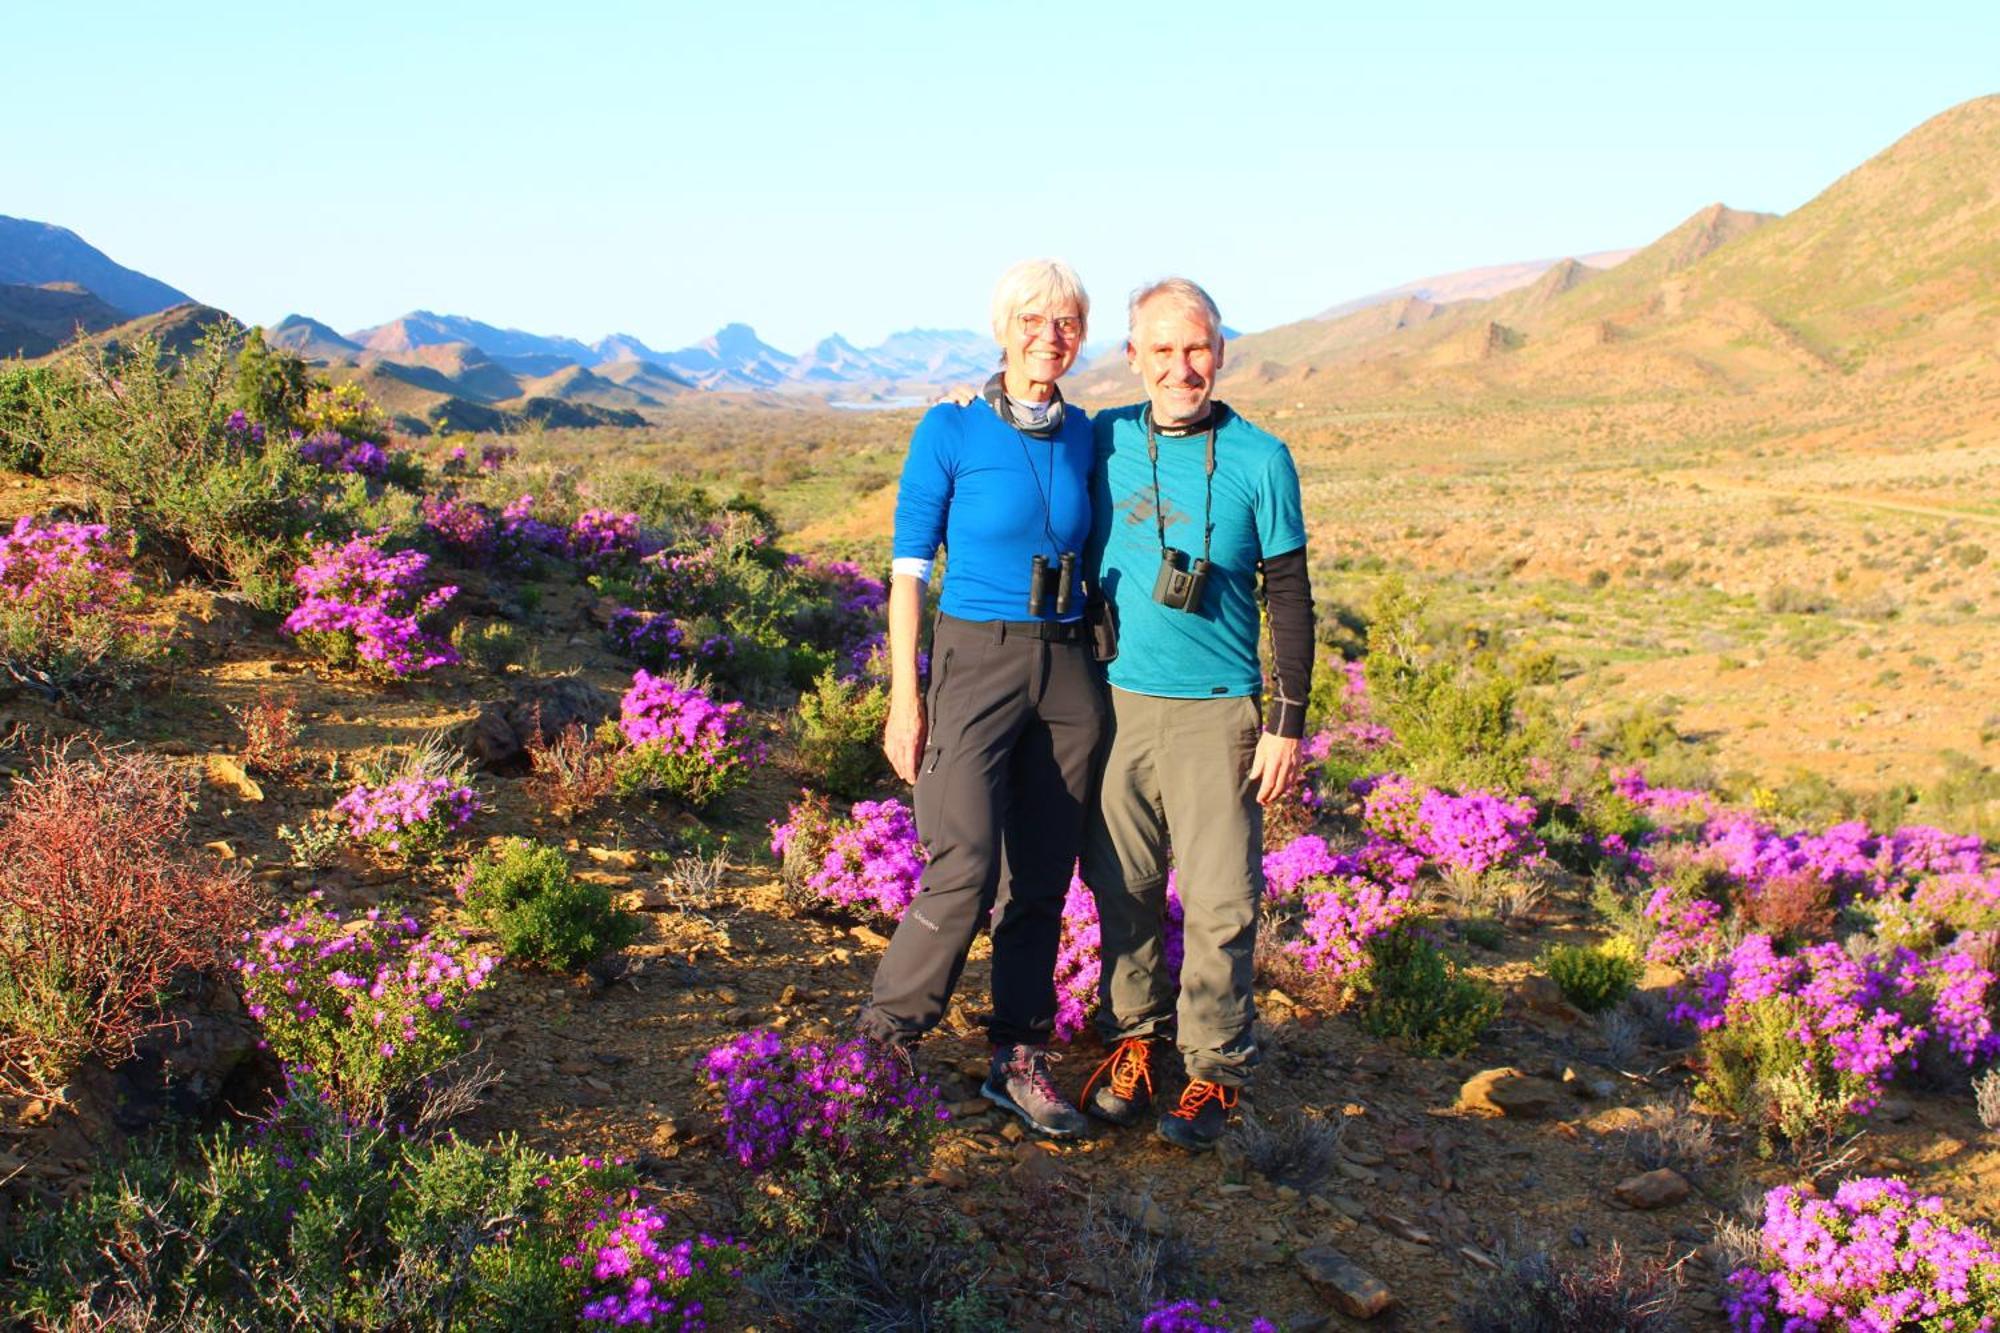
(1192, 507)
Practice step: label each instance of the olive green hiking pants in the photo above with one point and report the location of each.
(1176, 784)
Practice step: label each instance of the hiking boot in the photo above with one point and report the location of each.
(1201, 1117)
(1018, 1081)
(1127, 1087)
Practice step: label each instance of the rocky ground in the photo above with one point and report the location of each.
(1438, 1167)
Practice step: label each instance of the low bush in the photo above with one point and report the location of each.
(365, 606)
(1300, 1150)
(870, 860)
(307, 1218)
(541, 912)
(270, 727)
(410, 816)
(1457, 717)
(682, 743)
(1542, 1291)
(164, 455)
(104, 902)
(828, 1128)
(1874, 1256)
(1597, 977)
(66, 606)
(1986, 1098)
(494, 646)
(370, 1006)
(632, 1277)
(838, 734)
(871, 1277)
(27, 395)
(571, 772)
(1419, 996)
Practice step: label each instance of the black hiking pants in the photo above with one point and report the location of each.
(1015, 714)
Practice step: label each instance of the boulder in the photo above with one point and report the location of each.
(498, 737)
(1509, 1092)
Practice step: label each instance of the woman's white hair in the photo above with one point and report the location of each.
(1044, 282)
(1183, 295)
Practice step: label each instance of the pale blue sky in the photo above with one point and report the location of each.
(660, 169)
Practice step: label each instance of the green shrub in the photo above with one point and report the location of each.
(1414, 992)
(542, 913)
(1597, 977)
(149, 434)
(309, 1219)
(839, 734)
(1755, 1068)
(271, 387)
(28, 396)
(1457, 714)
(1483, 932)
(695, 780)
(494, 646)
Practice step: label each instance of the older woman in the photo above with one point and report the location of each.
(1001, 751)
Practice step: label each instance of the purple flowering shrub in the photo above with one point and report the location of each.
(1308, 857)
(365, 604)
(1877, 1257)
(1079, 966)
(1663, 803)
(1474, 833)
(871, 860)
(1341, 915)
(466, 529)
(1805, 1040)
(659, 641)
(412, 816)
(1078, 951)
(1197, 1317)
(66, 600)
(632, 1278)
(682, 742)
(521, 539)
(370, 1005)
(330, 451)
(830, 1126)
(601, 539)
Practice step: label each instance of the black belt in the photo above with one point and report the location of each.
(1049, 631)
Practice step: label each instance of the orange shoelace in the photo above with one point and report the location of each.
(1198, 1094)
(1129, 1065)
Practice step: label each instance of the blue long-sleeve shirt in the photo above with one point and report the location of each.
(994, 497)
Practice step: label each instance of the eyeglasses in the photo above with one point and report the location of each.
(1067, 327)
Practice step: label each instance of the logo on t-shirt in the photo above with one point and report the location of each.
(1140, 506)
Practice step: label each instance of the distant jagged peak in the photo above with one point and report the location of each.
(309, 337)
(624, 347)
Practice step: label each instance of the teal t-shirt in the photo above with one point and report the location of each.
(1256, 512)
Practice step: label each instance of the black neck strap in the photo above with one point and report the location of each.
(1207, 480)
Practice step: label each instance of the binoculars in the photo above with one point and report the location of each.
(1181, 581)
(1046, 584)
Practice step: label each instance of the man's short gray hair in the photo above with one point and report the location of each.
(1185, 295)
(1037, 282)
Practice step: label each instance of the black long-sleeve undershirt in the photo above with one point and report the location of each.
(1288, 600)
